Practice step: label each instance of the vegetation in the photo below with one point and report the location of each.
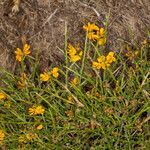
(97, 99)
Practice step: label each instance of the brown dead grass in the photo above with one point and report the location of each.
(42, 24)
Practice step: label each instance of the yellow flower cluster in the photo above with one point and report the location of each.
(69, 113)
(22, 81)
(95, 33)
(75, 81)
(39, 127)
(144, 43)
(46, 75)
(74, 53)
(36, 110)
(54, 72)
(130, 53)
(2, 96)
(31, 136)
(24, 138)
(2, 135)
(22, 53)
(104, 62)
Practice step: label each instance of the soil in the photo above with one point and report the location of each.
(42, 23)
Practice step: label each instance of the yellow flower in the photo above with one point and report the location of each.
(96, 65)
(22, 139)
(93, 36)
(145, 42)
(102, 32)
(36, 110)
(71, 50)
(75, 58)
(39, 127)
(108, 111)
(100, 63)
(19, 54)
(102, 41)
(2, 135)
(70, 99)
(130, 53)
(69, 113)
(54, 72)
(31, 136)
(95, 33)
(110, 58)
(2, 96)
(104, 62)
(44, 76)
(90, 27)
(22, 82)
(75, 81)
(74, 53)
(80, 53)
(24, 76)
(26, 50)
(101, 59)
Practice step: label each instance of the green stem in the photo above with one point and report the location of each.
(84, 54)
(66, 55)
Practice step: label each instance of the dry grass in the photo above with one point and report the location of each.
(42, 24)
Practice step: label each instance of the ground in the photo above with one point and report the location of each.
(42, 25)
